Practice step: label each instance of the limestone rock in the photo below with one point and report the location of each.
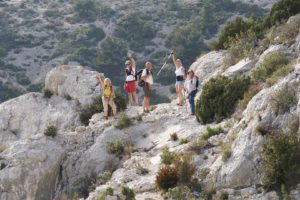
(31, 113)
(240, 68)
(73, 82)
(208, 64)
(32, 171)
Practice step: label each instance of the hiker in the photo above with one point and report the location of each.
(191, 87)
(108, 96)
(130, 85)
(148, 82)
(180, 76)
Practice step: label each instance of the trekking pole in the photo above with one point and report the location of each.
(166, 60)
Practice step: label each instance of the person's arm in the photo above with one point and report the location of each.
(193, 86)
(144, 75)
(100, 80)
(113, 92)
(132, 61)
(174, 59)
(183, 72)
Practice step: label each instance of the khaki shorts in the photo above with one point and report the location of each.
(147, 90)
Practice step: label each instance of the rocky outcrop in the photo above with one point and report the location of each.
(73, 82)
(30, 169)
(29, 115)
(242, 67)
(208, 64)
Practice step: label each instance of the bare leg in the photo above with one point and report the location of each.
(136, 98)
(130, 98)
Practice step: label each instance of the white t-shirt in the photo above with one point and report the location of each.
(149, 78)
(179, 71)
(131, 77)
(190, 83)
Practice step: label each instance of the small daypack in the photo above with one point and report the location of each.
(198, 83)
(141, 82)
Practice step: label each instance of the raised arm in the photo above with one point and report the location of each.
(132, 60)
(175, 60)
(100, 80)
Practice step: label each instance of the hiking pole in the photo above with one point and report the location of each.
(164, 64)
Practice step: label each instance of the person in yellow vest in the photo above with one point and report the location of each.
(108, 96)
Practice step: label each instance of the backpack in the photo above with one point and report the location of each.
(198, 83)
(111, 89)
(131, 73)
(141, 82)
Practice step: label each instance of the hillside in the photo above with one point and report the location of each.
(39, 35)
(56, 145)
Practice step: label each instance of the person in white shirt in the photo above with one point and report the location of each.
(148, 79)
(191, 87)
(130, 84)
(180, 77)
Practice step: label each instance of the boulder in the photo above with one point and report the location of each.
(73, 82)
(241, 67)
(208, 64)
(32, 170)
(31, 113)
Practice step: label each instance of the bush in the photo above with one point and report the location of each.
(104, 177)
(180, 193)
(184, 167)
(283, 99)
(86, 9)
(50, 131)
(248, 95)
(212, 132)
(282, 72)
(174, 137)
(226, 151)
(281, 155)
(281, 11)
(166, 157)
(183, 141)
(116, 147)
(97, 107)
(102, 195)
(219, 98)
(123, 121)
(23, 79)
(166, 178)
(47, 93)
(128, 193)
(271, 64)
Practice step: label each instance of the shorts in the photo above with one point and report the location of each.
(179, 83)
(130, 86)
(147, 90)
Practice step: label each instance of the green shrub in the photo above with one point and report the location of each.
(226, 151)
(212, 132)
(180, 193)
(86, 9)
(95, 107)
(184, 167)
(123, 121)
(102, 195)
(281, 11)
(47, 93)
(23, 79)
(128, 193)
(166, 178)
(104, 177)
(283, 99)
(183, 141)
(116, 147)
(271, 64)
(281, 72)
(219, 98)
(281, 155)
(37, 87)
(248, 95)
(174, 136)
(166, 157)
(208, 192)
(50, 131)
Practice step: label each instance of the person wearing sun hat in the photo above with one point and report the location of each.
(130, 83)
